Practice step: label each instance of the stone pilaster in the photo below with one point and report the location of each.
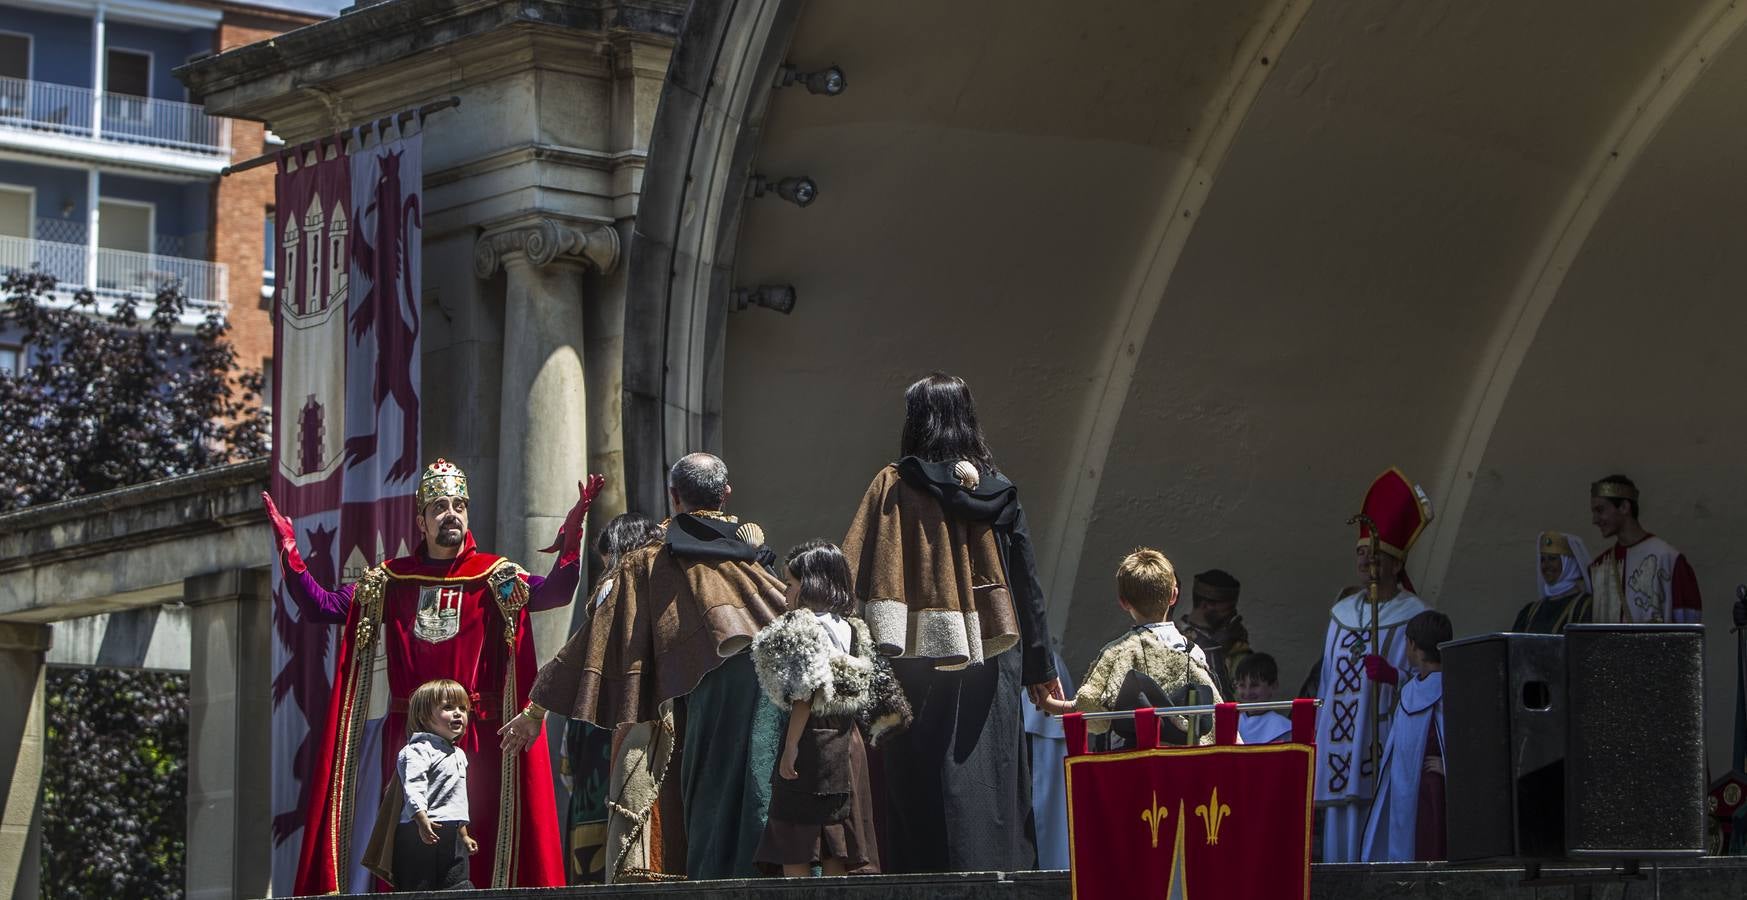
(22, 650)
(230, 705)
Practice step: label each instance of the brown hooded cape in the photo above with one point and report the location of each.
(668, 621)
(934, 585)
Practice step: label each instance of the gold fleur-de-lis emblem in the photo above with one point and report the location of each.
(1212, 813)
(1154, 816)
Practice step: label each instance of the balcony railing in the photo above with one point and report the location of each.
(64, 109)
(119, 271)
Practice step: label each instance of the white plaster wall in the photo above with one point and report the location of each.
(988, 189)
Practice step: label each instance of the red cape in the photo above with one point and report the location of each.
(472, 651)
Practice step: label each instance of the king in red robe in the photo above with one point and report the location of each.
(447, 611)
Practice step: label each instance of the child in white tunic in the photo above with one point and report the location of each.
(1257, 680)
(1407, 819)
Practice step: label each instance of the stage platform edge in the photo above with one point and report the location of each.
(1706, 878)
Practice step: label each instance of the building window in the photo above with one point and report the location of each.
(267, 384)
(269, 249)
(128, 72)
(10, 357)
(14, 55)
(14, 72)
(16, 217)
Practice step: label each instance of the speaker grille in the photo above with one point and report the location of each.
(1635, 766)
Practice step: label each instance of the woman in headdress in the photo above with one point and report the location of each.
(1562, 575)
(946, 574)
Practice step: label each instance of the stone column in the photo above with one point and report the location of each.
(543, 435)
(22, 649)
(230, 706)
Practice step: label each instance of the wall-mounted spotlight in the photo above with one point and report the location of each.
(829, 82)
(780, 297)
(799, 189)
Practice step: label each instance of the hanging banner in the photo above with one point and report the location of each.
(346, 439)
(1182, 823)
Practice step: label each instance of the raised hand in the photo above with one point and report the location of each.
(284, 533)
(568, 543)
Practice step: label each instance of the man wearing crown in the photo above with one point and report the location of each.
(1358, 676)
(1641, 578)
(677, 623)
(447, 611)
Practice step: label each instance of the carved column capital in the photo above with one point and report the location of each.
(545, 239)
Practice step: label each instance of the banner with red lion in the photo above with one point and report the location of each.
(346, 424)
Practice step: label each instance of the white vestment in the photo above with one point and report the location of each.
(1346, 771)
(1264, 728)
(1390, 835)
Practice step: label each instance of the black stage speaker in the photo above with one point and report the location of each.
(1504, 760)
(1635, 761)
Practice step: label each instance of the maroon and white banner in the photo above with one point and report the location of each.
(346, 430)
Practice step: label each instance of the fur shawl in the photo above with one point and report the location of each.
(1141, 651)
(796, 660)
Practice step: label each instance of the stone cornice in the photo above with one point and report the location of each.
(378, 36)
(212, 500)
(547, 238)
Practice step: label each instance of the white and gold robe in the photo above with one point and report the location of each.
(1346, 770)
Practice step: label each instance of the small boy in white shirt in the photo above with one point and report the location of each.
(1257, 680)
(431, 845)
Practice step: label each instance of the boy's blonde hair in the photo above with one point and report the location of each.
(1146, 580)
(429, 697)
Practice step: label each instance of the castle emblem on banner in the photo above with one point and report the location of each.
(311, 297)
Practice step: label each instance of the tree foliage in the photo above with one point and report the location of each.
(110, 400)
(115, 784)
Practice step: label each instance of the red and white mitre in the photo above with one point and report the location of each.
(1401, 510)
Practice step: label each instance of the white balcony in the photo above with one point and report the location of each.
(119, 272)
(46, 116)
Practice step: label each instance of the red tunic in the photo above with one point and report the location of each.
(459, 634)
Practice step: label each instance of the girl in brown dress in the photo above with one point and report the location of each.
(818, 662)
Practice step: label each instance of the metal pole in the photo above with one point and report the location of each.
(99, 61)
(1203, 709)
(379, 123)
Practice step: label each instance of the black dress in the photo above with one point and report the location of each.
(958, 782)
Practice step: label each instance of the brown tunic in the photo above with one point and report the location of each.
(933, 587)
(666, 624)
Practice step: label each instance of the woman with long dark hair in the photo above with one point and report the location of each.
(948, 582)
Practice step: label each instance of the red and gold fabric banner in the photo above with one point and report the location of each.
(346, 229)
(1183, 823)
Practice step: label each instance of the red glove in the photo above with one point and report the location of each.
(568, 543)
(286, 535)
(1381, 670)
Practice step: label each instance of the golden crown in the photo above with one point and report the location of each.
(441, 479)
(1613, 490)
(1554, 543)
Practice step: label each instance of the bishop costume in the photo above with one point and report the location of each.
(1354, 708)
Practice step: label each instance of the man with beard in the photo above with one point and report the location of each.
(677, 622)
(1213, 625)
(446, 611)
